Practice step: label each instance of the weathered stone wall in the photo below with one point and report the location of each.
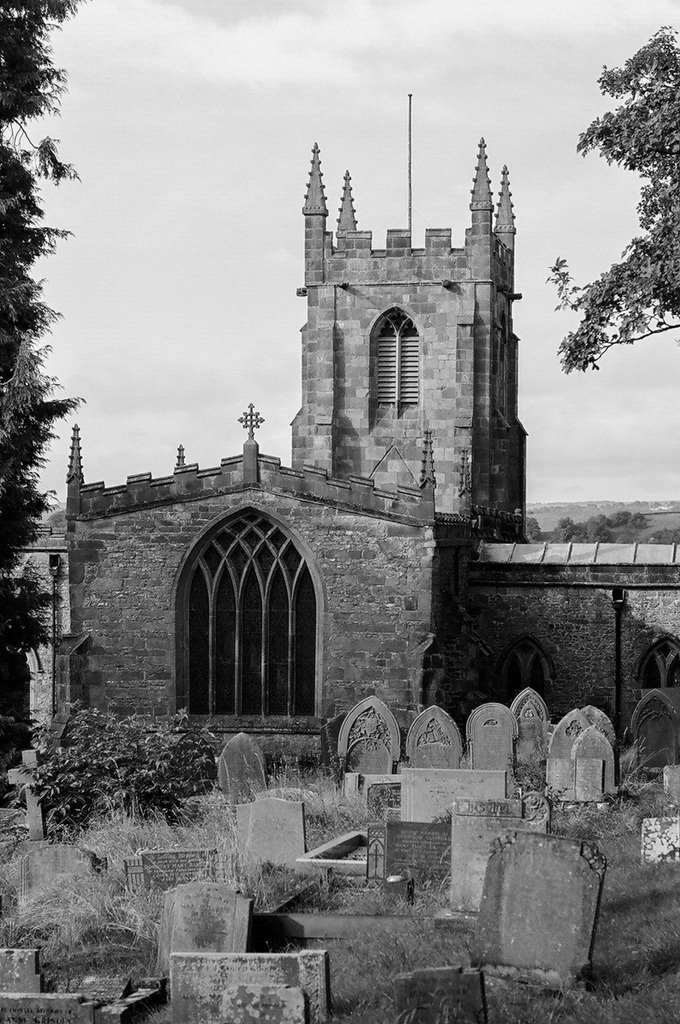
(569, 611)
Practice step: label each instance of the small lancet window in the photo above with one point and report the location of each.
(398, 359)
(525, 665)
(660, 667)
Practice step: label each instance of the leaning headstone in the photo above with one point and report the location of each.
(434, 740)
(271, 830)
(438, 994)
(655, 727)
(23, 777)
(593, 743)
(539, 909)
(601, 721)
(164, 869)
(532, 716)
(45, 1008)
(197, 981)
(52, 865)
(491, 735)
(427, 793)
(671, 782)
(369, 740)
(266, 1004)
(475, 825)
(660, 840)
(241, 770)
(20, 971)
(566, 732)
(203, 917)
(413, 849)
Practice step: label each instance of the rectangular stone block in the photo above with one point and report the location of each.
(439, 994)
(428, 793)
(415, 849)
(26, 1008)
(20, 971)
(660, 840)
(198, 980)
(266, 1004)
(271, 829)
(164, 869)
(671, 782)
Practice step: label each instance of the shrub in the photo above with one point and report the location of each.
(136, 764)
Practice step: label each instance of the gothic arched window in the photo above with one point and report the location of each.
(660, 666)
(397, 359)
(249, 624)
(524, 665)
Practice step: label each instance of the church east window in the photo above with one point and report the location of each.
(525, 665)
(398, 359)
(249, 624)
(660, 666)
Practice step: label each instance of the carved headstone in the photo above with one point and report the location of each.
(369, 740)
(164, 869)
(434, 740)
(384, 799)
(427, 793)
(203, 917)
(491, 734)
(566, 732)
(438, 994)
(660, 840)
(539, 909)
(601, 721)
(593, 743)
(241, 770)
(52, 1007)
(475, 825)
(532, 716)
(655, 726)
(414, 849)
(271, 830)
(560, 778)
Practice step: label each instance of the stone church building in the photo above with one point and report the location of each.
(389, 558)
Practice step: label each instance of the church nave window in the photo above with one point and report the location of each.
(398, 359)
(660, 666)
(250, 624)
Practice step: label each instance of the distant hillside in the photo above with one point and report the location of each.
(660, 516)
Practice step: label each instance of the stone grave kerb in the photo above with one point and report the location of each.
(491, 714)
(592, 743)
(22, 777)
(433, 727)
(655, 705)
(372, 724)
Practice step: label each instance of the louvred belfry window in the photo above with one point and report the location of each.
(398, 360)
(250, 624)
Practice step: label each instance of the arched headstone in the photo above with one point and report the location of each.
(592, 743)
(241, 771)
(434, 741)
(601, 721)
(369, 740)
(532, 716)
(565, 734)
(655, 727)
(491, 733)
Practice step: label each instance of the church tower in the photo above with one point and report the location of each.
(400, 341)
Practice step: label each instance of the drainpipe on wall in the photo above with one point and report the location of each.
(619, 596)
(54, 565)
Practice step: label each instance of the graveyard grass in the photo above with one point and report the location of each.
(97, 926)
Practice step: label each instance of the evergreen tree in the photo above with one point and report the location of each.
(30, 87)
(640, 296)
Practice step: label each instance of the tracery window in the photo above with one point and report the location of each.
(660, 667)
(249, 624)
(398, 359)
(525, 665)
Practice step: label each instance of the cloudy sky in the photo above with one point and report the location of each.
(191, 123)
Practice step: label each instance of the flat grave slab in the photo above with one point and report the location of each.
(164, 869)
(660, 840)
(274, 931)
(197, 981)
(428, 793)
(417, 849)
(441, 994)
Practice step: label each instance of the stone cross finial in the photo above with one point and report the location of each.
(180, 456)
(251, 421)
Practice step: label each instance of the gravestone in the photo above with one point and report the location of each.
(271, 830)
(45, 1008)
(241, 769)
(266, 1004)
(589, 779)
(369, 740)
(384, 799)
(22, 777)
(531, 713)
(671, 782)
(52, 865)
(539, 909)
(427, 793)
(475, 825)
(329, 733)
(566, 732)
(197, 981)
(655, 727)
(601, 721)
(560, 778)
(491, 732)
(660, 840)
(434, 740)
(438, 994)
(20, 971)
(203, 917)
(415, 849)
(593, 743)
(164, 869)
